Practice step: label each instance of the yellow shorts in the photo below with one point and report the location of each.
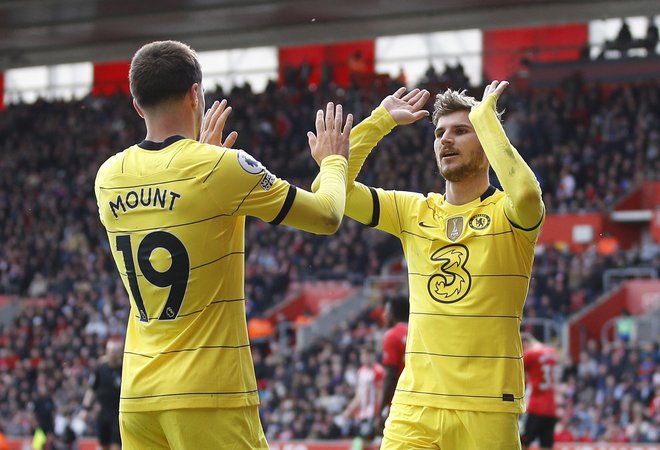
(420, 427)
(199, 429)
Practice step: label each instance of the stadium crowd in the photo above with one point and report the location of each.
(588, 145)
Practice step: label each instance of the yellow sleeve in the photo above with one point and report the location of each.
(320, 212)
(361, 204)
(241, 185)
(388, 211)
(363, 139)
(524, 206)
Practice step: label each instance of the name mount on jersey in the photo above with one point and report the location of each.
(155, 197)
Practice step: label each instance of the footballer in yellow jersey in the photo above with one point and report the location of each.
(469, 256)
(175, 217)
(174, 210)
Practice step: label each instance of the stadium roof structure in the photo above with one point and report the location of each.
(36, 32)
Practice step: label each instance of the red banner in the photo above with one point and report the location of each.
(506, 49)
(639, 297)
(567, 227)
(345, 58)
(111, 77)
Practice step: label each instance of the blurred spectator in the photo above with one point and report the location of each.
(359, 416)
(651, 39)
(44, 410)
(623, 39)
(625, 326)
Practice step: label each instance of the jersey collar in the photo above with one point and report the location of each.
(490, 191)
(151, 145)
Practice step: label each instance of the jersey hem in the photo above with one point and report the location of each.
(160, 404)
(464, 404)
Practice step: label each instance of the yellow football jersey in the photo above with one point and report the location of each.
(468, 274)
(175, 215)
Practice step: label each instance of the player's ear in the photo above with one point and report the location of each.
(193, 94)
(138, 109)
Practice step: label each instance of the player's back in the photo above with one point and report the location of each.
(174, 214)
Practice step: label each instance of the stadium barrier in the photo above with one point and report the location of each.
(25, 443)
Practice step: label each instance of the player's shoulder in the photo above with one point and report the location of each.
(111, 166)
(197, 152)
(231, 158)
(408, 200)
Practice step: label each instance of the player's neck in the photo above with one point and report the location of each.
(465, 191)
(162, 126)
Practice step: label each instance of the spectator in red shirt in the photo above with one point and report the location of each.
(395, 316)
(541, 365)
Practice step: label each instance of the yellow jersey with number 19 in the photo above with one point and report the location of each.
(175, 215)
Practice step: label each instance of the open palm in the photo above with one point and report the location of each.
(408, 108)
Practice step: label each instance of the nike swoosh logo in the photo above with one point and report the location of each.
(425, 225)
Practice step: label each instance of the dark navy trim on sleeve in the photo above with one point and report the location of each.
(290, 196)
(375, 218)
(515, 225)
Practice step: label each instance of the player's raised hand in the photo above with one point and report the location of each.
(495, 87)
(408, 107)
(213, 125)
(330, 138)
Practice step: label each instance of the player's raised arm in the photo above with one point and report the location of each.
(525, 206)
(321, 212)
(399, 108)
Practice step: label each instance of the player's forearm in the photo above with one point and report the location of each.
(364, 137)
(525, 206)
(322, 212)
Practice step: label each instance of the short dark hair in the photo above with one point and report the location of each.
(163, 71)
(399, 307)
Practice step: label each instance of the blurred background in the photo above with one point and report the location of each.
(583, 109)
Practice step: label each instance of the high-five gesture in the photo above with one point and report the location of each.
(330, 137)
(214, 123)
(406, 109)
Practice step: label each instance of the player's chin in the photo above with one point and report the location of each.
(450, 172)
